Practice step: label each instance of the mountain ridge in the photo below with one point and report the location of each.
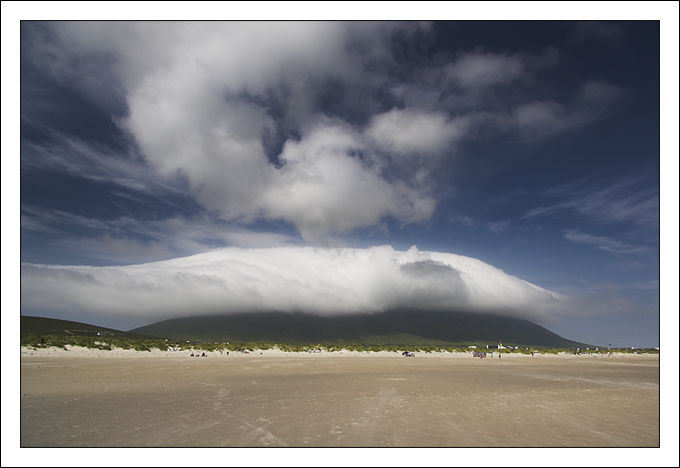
(397, 327)
(30, 324)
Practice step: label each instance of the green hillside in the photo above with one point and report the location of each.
(49, 326)
(388, 328)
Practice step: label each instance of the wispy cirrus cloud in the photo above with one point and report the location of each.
(494, 226)
(129, 239)
(604, 243)
(629, 199)
(99, 163)
(601, 31)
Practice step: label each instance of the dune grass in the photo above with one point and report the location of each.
(36, 341)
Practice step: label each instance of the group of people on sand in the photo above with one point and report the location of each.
(205, 355)
(482, 354)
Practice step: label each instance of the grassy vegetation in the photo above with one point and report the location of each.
(113, 342)
(37, 341)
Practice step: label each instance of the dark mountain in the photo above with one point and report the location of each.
(49, 326)
(387, 328)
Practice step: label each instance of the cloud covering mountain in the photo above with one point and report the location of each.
(291, 279)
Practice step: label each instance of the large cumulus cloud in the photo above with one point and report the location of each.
(327, 125)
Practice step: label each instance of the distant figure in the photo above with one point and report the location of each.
(499, 355)
(203, 354)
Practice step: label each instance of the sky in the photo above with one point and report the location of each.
(185, 168)
(527, 168)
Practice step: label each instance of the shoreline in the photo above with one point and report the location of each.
(82, 352)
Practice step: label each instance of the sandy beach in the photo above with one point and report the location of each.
(83, 398)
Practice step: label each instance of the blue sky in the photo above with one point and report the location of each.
(533, 147)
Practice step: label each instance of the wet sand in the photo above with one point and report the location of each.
(291, 400)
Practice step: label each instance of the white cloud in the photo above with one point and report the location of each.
(198, 99)
(322, 186)
(541, 116)
(592, 101)
(321, 281)
(478, 71)
(188, 114)
(498, 226)
(475, 70)
(409, 131)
